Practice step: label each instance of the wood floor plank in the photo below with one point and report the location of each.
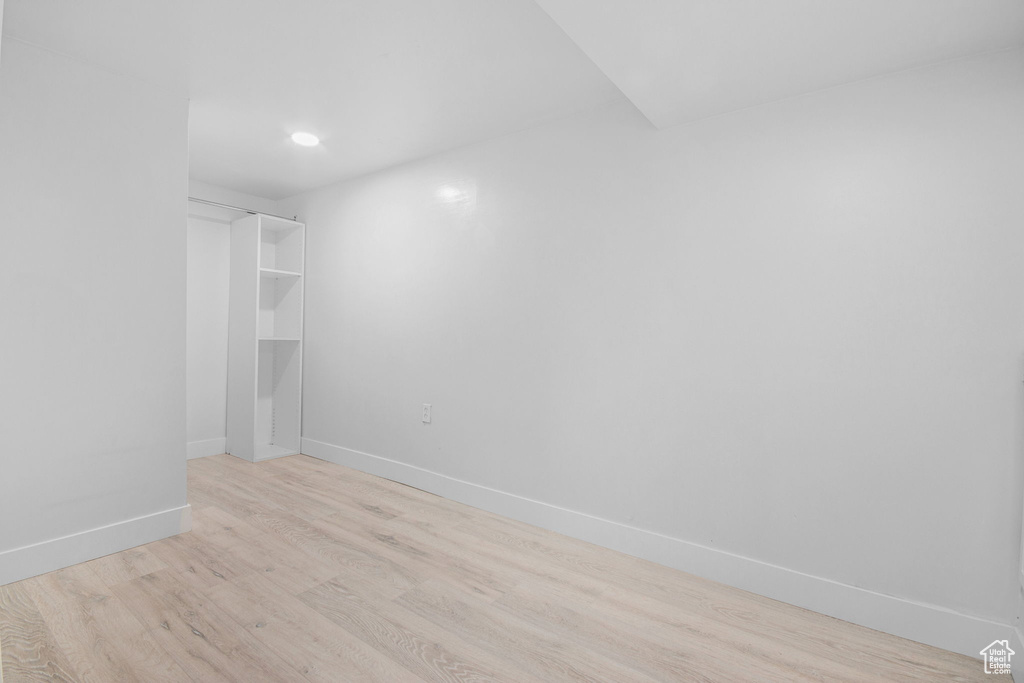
(126, 565)
(540, 652)
(260, 484)
(29, 649)
(203, 639)
(373, 491)
(299, 569)
(665, 651)
(505, 569)
(638, 581)
(263, 553)
(432, 653)
(596, 571)
(790, 634)
(312, 644)
(424, 560)
(199, 564)
(198, 498)
(102, 638)
(228, 494)
(385, 576)
(353, 498)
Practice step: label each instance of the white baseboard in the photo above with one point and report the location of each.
(207, 447)
(924, 623)
(40, 558)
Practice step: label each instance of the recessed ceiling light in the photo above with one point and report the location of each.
(305, 139)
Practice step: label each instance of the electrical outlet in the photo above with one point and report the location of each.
(426, 413)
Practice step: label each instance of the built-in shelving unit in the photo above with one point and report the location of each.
(265, 337)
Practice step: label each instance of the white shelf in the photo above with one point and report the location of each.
(264, 417)
(271, 272)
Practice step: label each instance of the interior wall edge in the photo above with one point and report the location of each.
(94, 384)
(28, 561)
(924, 623)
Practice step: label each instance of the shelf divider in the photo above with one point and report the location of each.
(275, 273)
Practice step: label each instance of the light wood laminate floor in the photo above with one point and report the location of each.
(300, 570)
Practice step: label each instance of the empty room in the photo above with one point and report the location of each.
(512, 340)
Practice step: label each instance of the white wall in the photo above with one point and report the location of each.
(92, 396)
(1017, 643)
(209, 244)
(782, 347)
(209, 247)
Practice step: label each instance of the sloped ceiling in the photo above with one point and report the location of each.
(387, 81)
(379, 81)
(684, 60)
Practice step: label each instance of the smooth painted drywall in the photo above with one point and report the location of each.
(793, 333)
(92, 397)
(209, 264)
(209, 248)
(1018, 623)
(1018, 643)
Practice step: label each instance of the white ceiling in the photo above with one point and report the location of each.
(380, 81)
(387, 81)
(684, 60)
